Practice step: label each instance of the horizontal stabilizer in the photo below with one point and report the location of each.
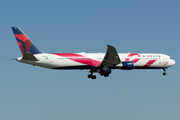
(29, 56)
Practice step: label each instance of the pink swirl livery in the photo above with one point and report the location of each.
(79, 59)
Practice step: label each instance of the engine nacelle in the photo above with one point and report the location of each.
(126, 65)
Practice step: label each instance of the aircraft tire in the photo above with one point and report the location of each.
(106, 75)
(164, 73)
(93, 77)
(89, 76)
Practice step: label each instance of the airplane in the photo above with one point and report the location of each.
(102, 63)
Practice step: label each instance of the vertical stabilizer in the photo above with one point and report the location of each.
(25, 44)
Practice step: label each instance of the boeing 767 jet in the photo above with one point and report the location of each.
(102, 63)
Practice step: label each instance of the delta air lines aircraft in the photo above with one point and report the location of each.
(102, 63)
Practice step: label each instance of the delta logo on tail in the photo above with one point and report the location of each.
(25, 44)
(101, 63)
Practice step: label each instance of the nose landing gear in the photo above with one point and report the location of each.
(164, 73)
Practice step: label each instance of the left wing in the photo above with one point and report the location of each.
(111, 58)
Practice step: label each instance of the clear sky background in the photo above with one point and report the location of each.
(144, 26)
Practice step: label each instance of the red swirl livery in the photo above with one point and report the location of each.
(136, 59)
(101, 63)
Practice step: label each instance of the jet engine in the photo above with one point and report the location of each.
(126, 65)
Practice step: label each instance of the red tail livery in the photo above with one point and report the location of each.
(25, 44)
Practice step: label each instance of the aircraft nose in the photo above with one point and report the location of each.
(173, 62)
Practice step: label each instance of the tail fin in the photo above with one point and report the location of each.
(25, 44)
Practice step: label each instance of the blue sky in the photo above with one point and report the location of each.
(150, 26)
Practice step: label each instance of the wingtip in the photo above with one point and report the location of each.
(109, 45)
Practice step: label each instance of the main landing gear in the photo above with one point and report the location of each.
(91, 75)
(164, 73)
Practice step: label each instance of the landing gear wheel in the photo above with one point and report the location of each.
(164, 73)
(91, 75)
(106, 75)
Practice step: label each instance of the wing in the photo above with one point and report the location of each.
(111, 58)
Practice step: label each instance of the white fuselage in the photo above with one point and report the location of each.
(92, 60)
